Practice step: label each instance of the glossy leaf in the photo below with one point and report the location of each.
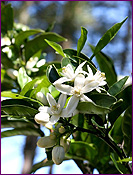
(15, 123)
(18, 96)
(102, 99)
(91, 108)
(119, 108)
(53, 91)
(107, 37)
(117, 87)
(19, 39)
(82, 151)
(127, 130)
(82, 40)
(38, 43)
(23, 78)
(65, 61)
(28, 86)
(6, 18)
(106, 65)
(56, 47)
(22, 131)
(52, 73)
(19, 111)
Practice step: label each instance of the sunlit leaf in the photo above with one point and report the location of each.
(38, 43)
(19, 39)
(116, 88)
(56, 47)
(23, 78)
(107, 37)
(82, 40)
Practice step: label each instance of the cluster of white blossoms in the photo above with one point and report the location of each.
(83, 82)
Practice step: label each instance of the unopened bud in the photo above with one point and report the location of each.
(46, 142)
(12, 73)
(65, 143)
(42, 98)
(42, 118)
(58, 154)
(62, 129)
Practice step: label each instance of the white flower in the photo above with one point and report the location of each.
(98, 78)
(65, 143)
(56, 110)
(69, 74)
(58, 154)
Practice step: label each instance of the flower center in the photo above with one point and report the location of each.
(55, 107)
(76, 91)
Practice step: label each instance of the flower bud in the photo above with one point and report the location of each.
(12, 73)
(65, 143)
(46, 142)
(62, 129)
(58, 154)
(42, 98)
(42, 118)
(52, 135)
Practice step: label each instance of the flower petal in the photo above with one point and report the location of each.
(64, 89)
(54, 119)
(44, 109)
(61, 80)
(85, 98)
(79, 80)
(42, 118)
(62, 100)
(79, 68)
(71, 106)
(89, 70)
(90, 86)
(51, 100)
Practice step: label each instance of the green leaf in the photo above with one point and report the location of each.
(23, 78)
(6, 18)
(91, 108)
(65, 61)
(38, 43)
(115, 162)
(125, 100)
(56, 47)
(106, 65)
(127, 130)
(53, 91)
(82, 40)
(102, 99)
(18, 96)
(19, 39)
(19, 111)
(117, 87)
(15, 123)
(28, 86)
(7, 63)
(116, 131)
(22, 131)
(82, 151)
(107, 37)
(94, 123)
(52, 73)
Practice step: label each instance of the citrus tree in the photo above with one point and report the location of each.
(87, 111)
